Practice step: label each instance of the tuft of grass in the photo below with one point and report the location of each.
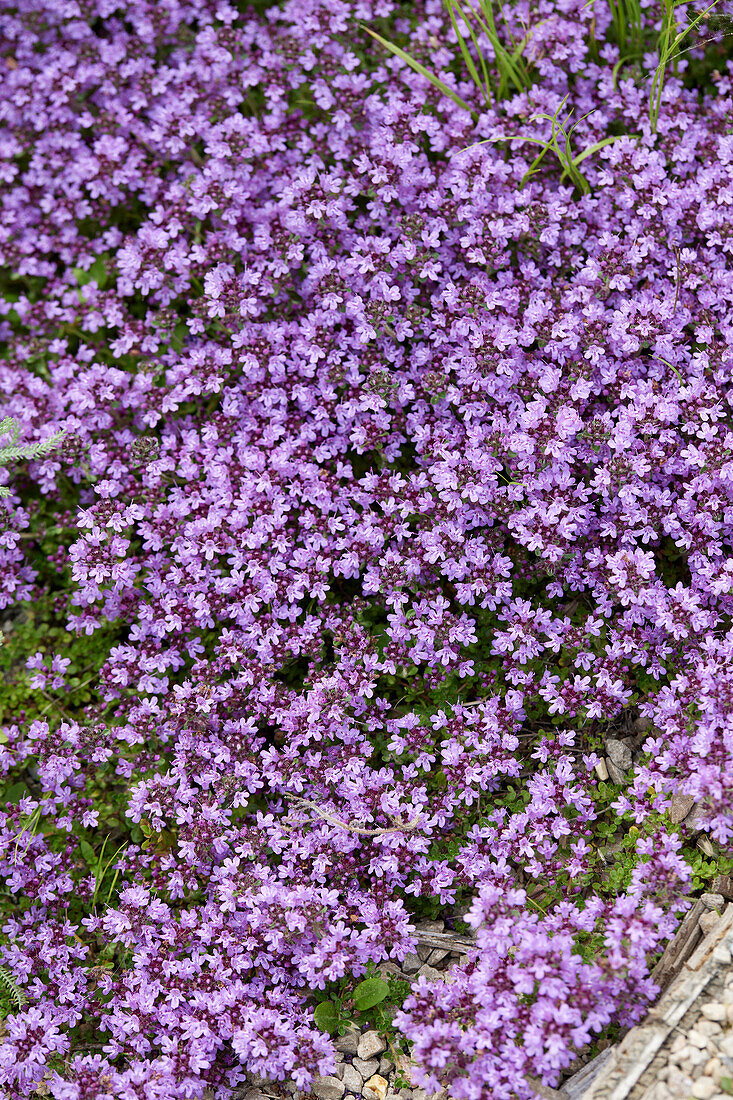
(559, 143)
(669, 51)
(505, 73)
(627, 25)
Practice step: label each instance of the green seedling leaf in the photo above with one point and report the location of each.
(326, 1017)
(88, 852)
(370, 993)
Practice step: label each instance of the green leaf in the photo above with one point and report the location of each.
(15, 792)
(3, 738)
(370, 993)
(326, 1016)
(88, 852)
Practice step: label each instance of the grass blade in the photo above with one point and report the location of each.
(434, 80)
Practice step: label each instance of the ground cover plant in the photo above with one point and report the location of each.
(367, 469)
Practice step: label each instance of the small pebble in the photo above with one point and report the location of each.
(348, 1043)
(619, 753)
(366, 1069)
(680, 807)
(703, 1089)
(601, 770)
(437, 955)
(411, 963)
(615, 774)
(375, 1088)
(713, 1011)
(708, 921)
(352, 1079)
(726, 1046)
(328, 1088)
(370, 1044)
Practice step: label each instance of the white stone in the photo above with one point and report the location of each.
(375, 1088)
(708, 1028)
(328, 1088)
(679, 1083)
(601, 770)
(703, 1089)
(713, 1068)
(726, 1046)
(694, 1038)
(352, 1079)
(722, 955)
(370, 1044)
(713, 1011)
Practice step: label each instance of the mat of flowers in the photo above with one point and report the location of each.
(394, 498)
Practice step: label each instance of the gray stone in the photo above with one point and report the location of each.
(430, 926)
(385, 1065)
(615, 774)
(411, 963)
(708, 921)
(680, 807)
(429, 972)
(619, 753)
(349, 1042)
(352, 1079)
(370, 1044)
(366, 1069)
(713, 901)
(328, 1088)
(437, 955)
